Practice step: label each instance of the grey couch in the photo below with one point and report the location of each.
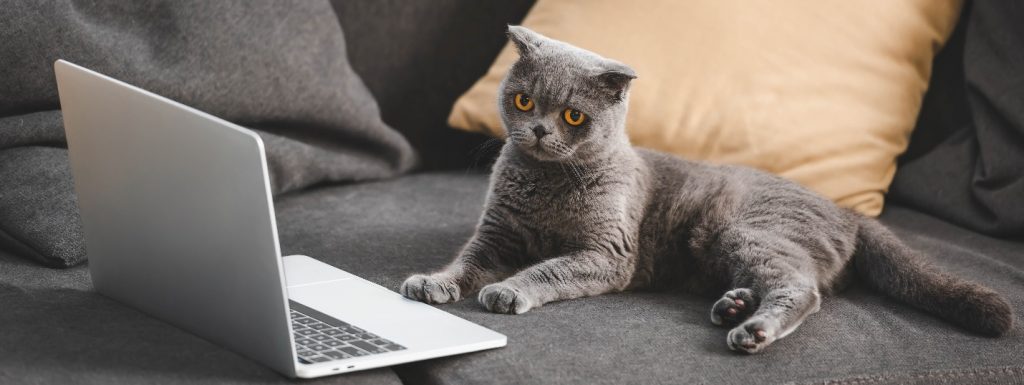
(416, 57)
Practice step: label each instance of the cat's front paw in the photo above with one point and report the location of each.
(752, 336)
(504, 298)
(430, 289)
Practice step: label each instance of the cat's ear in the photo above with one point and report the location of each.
(615, 77)
(526, 41)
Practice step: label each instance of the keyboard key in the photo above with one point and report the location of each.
(367, 346)
(353, 330)
(336, 322)
(353, 351)
(336, 355)
(331, 339)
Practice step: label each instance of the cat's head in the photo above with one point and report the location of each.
(559, 102)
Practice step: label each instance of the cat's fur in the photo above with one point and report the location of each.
(577, 211)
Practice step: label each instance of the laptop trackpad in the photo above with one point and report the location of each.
(300, 270)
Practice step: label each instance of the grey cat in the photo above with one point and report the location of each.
(574, 210)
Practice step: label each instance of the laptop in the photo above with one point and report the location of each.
(179, 223)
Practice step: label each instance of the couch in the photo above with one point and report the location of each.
(416, 58)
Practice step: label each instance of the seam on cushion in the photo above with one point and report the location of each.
(17, 246)
(976, 373)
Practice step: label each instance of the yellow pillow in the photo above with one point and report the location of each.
(824, 92)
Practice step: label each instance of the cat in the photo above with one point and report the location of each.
(573, 210)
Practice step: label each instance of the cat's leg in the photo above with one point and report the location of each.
(735, 306)
(483, 260)
(779, 274)
(575, 275)
(781, 310)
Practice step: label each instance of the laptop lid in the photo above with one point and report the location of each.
(177, 214)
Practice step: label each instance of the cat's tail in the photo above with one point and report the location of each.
(889, 266)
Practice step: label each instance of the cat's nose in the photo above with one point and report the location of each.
(540, 131)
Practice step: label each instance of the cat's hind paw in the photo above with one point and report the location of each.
(430, 289)
(751, 336)
(734, 307)
(504, 298)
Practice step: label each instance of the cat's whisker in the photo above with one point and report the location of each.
(577, 169)
(562, 167)
(480, 151)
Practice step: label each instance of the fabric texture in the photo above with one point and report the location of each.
(417, 57)
(967, 165)
(56, 329)
(818, 92)
(385, 231)
(277, 67)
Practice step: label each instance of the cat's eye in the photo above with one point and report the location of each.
(573, 117)
(523, 102)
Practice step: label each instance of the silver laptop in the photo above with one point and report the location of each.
(179, 223)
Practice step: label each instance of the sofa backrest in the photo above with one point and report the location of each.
(417, 57)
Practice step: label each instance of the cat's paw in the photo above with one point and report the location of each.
(752, 336)
(504, 298)
(734, 307)
(430, 289)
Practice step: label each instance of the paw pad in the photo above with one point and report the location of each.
(752, 336)
(734, 307)
(760, 335)
(504, 298)
(429, 289)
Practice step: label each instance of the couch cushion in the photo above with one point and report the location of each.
(385, 231)
(417, 57)
(964, 162)
(279, 67)
(54, 329)
(824, 93)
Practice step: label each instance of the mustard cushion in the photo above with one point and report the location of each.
(825, 93)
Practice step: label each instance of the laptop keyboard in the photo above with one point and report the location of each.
(321, 338)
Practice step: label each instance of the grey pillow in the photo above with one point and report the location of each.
(965, 163)
(279, 67)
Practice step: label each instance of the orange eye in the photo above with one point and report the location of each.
(573, 117)
(523, 102)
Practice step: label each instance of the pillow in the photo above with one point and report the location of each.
(280, 68)
(825, 93)
(965, 160)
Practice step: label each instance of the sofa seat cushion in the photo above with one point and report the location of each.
(55, 329)
(385, 231)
